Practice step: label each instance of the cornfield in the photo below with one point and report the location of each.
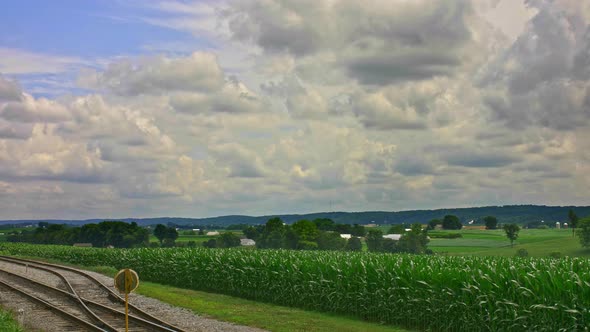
(434, 293)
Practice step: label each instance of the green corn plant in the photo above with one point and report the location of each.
(435, 293)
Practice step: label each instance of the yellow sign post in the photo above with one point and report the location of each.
(126, 281)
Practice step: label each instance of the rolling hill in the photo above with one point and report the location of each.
(521, 214)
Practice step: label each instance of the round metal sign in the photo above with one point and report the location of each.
(126, 281)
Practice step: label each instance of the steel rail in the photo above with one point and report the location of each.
(133, 318)
(112, 294)
(53, 308)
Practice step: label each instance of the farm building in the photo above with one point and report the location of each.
(345, 236)
(394, 237)
(247, 242)
(212, 233)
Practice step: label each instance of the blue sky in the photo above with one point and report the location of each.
(88, 34)
(200, 108)
(88, 29)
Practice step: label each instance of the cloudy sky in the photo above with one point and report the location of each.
(175, 108)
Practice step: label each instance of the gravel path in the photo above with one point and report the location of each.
(180, 317)
(183, 318)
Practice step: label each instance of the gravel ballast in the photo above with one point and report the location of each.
(180, 317)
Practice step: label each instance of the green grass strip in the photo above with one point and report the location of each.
(256, 314)
(8, 323)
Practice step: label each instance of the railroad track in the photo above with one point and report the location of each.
(75, 296)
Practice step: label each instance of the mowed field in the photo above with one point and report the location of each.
(198, 239)
(481, 242)
(474, 241)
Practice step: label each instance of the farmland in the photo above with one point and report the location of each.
(198, 239)
(464, 293)
(538, 243)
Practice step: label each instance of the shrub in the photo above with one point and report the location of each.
(522, 252)
(307, 245)
(354, 244)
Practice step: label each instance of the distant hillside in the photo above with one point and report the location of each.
(521, 214)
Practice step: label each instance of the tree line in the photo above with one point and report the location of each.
(325, 234)
(107, 233)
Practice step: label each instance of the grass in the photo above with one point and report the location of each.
(538, 243)
(256, 314)
(8, 323)
(199, 239)
(240, 311)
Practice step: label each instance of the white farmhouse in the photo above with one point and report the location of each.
(394, 237)
(346, 236)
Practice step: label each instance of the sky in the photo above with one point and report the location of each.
(128, 108)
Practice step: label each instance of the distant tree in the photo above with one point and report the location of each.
(374, 240)
(274, 224)
(324, 224)
(166, 235)
(343, 228)
(273, 234)
(451, 222)
(237, 227)
(354, 244)
(168, 243)
(330, 241)
(305, 230)
(397, 229)
(511, 232)
(389, 245)
(414, 241)
(491, 222)
(433, 223)
(573, 219)
(358, 230)
(171, 234)
(275, 240)
(160, 232)
(584, 232)
(211, 243)
(291, 239)
(307, 245)
(228, 240)
(91, 233)
(252, 233)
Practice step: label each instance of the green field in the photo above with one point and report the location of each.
(198, 239)
(464, 293)
(538, 243)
